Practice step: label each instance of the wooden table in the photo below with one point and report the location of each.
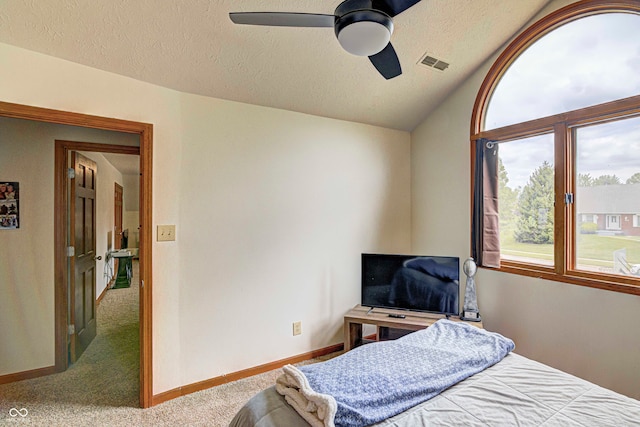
(413, 321)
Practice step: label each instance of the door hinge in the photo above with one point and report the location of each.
(142, 283)
(568, 198)
(72, 329)
(71, 173)
(71, 251)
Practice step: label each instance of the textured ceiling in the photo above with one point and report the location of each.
(193, 47)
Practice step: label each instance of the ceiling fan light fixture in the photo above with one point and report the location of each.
(364, 33)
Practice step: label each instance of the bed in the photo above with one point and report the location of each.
(512, 391)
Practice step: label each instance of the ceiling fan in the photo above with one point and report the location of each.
(363, 28)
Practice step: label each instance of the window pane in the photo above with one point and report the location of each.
(582, 63)
(526, 193)
(608, 197)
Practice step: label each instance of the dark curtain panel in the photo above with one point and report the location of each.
(485, 232)
(477, 208)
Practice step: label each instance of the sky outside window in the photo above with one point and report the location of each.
(583, 63)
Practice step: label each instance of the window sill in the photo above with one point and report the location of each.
(623, 284)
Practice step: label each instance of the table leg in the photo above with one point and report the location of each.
(352, 335)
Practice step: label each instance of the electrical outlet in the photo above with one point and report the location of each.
(297, 328)
(166, 233)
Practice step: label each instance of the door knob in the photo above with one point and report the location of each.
(97, 258)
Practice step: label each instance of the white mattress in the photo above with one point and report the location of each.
(521, 392)
(515, 392)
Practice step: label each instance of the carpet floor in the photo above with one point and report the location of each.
(102, 387)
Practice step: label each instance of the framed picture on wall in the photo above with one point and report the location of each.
(9, 205)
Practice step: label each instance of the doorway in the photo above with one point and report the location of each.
(118, 195)
(145, 132)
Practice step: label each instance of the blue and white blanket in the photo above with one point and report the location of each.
(377, 381)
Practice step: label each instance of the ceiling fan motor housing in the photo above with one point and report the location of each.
(361, 30)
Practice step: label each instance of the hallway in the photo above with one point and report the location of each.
(105, 376)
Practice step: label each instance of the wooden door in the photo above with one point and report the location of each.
(83, 237)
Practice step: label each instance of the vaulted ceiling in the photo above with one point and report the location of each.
(192, 46)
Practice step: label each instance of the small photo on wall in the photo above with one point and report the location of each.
(9, 205)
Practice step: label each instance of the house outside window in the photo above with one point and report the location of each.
(561, 106)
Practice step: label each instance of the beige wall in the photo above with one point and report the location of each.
(275, 209)
(589, 332)
(26, 254)
(272, 209)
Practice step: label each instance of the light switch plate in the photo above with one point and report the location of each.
(166, 233)
(297, 328)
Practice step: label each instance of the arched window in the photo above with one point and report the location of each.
(556, 136)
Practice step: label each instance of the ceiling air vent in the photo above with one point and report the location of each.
(435, 63)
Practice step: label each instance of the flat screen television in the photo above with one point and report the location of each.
(411, 282)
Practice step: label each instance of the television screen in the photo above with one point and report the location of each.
(411, 282)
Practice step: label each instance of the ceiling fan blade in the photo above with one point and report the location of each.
(386, 62)
(393, 7)
(283, 19)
